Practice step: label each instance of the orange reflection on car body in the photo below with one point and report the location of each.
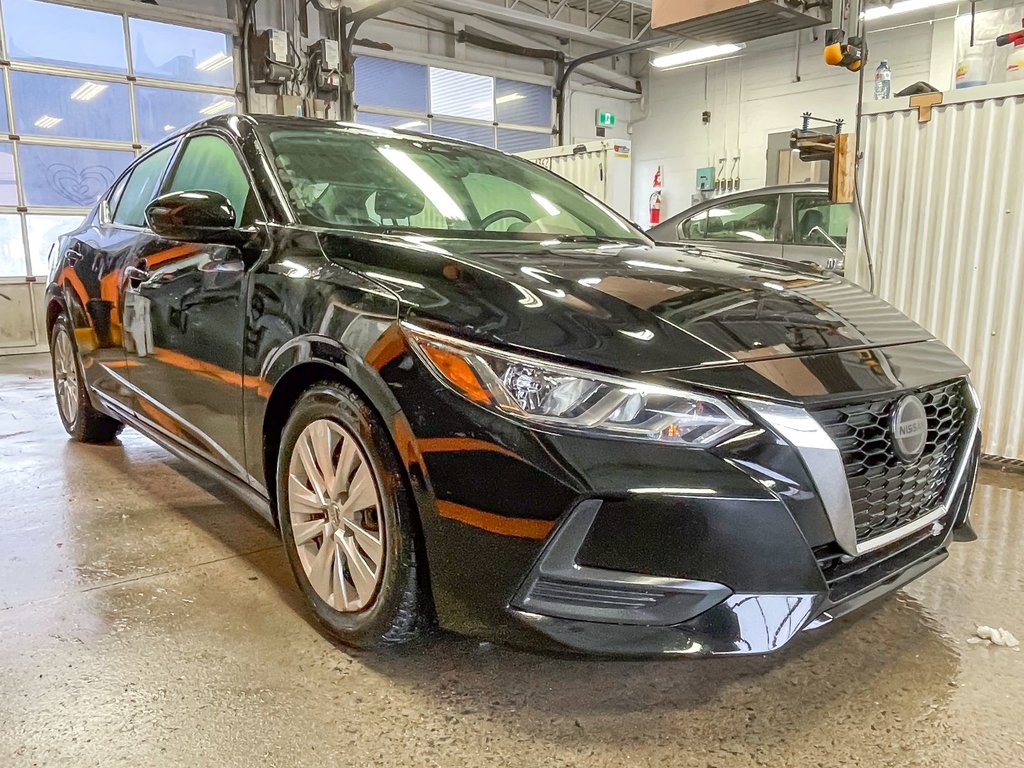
(519, 527)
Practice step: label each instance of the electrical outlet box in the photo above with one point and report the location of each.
(269, 52)
(705, 179)
(326, 53)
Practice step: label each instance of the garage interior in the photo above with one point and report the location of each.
(147, 616)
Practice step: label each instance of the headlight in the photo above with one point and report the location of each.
(567, 398)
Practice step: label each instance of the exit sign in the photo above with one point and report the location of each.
(605, 119)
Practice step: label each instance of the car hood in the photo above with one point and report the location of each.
(625, 307)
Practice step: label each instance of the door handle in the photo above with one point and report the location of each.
(135, 276)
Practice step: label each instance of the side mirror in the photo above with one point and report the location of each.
(199, 216)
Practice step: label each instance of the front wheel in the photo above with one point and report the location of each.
(347, 519)
(83, 422)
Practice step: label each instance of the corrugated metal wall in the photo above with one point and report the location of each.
(944, 205)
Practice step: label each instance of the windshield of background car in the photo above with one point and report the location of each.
(381, 181)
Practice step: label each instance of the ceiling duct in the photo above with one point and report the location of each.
(737, 21)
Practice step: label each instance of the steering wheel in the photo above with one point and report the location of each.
(506, 213)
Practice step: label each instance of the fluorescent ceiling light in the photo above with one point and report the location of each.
(88, 91)
(424, 182)
(904, 6)
(692, 56)
(509, 97)
(48, 121)
(410, 124)
(215, 62)
(217, 106)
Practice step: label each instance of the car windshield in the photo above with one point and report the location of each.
(380, 181)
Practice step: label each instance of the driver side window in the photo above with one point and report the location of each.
(210, 164)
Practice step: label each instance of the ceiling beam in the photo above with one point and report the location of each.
(533, 21)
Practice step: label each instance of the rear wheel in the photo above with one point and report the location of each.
(83, 422)
(347, 519)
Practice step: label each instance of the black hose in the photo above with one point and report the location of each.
(857, 163)
(247, 8)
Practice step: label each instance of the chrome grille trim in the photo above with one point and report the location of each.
(824, 462)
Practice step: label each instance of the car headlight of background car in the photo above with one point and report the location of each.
(574, 399)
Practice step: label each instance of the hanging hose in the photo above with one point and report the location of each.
(856, 172)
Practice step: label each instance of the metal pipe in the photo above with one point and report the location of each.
(572, 66)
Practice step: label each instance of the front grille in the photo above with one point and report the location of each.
(886, 491)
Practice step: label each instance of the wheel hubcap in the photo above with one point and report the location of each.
(65, 377)
(336, 517)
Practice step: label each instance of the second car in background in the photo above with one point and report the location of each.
(796, 222)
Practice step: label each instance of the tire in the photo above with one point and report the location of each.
(83, 422)
(326, 418)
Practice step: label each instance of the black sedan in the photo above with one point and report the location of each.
(468, 393)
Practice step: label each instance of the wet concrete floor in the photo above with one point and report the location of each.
(149, 619)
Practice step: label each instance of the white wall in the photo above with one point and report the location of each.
(757, 94)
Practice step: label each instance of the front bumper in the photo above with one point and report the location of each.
(623, 548)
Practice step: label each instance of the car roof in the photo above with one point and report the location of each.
(777, 189)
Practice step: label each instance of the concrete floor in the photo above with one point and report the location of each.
(147, 618)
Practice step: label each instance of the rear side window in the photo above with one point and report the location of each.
(209, 164)
(742, 221)
(140, 189)
(693, 228)
(814, 214)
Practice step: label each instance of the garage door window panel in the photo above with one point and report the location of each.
(69, 177)
(70, 107)
(391, 84)
(47, 33)
(461, 94)
(140, 189)
(522, 141)
(752, 221)
(8, 177)
(519, 103)
(814, 215)
(162, 111)
(186, 55)
(476, 134)
(209, 164)
(12, 247)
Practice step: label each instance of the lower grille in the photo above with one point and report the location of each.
(887, 492)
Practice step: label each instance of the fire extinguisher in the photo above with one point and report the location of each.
(655, 207)
(655, 201)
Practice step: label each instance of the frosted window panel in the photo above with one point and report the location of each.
(163, 111)
(73, 107)
(69, 176)
(522, 103)
(522, 141)
(477, 134)
(170, 52)
(8, 180)
(12, 246)
(461, 94)
(391, 84)
(43, 231)
(393, 121)
(56, 34)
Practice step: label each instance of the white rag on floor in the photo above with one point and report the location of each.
(991, 636)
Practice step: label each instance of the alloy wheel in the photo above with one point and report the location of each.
(336, 517)
(65, 376)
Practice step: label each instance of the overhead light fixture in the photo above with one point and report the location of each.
(695, 55)
(215, 62)
(48, 121)
(410, 124)
(509, 97)
(217, 106)
(168, 128)
(88, 91)
(904, 6)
